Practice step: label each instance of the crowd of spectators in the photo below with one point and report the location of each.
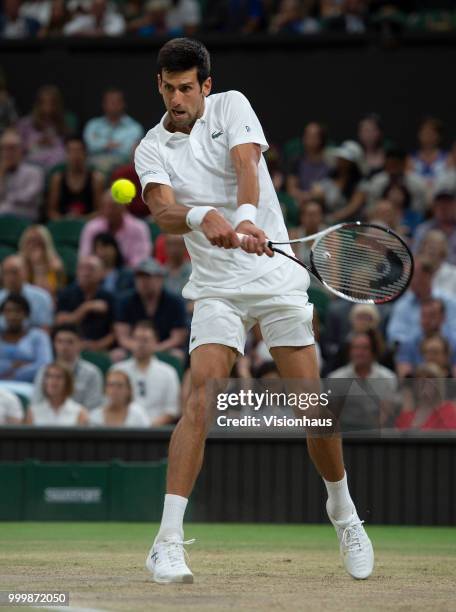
(149, 18)
(93, 328)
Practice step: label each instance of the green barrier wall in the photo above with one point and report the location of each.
(114, 491)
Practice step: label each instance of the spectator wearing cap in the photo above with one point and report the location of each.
(410, 352)
(151, 301)
(443, 219)
(11, 412)
(110, 139)
(155, 383)
(22, 351)
(87, 378)
(21, 184)
(312, 166)
(341, 192)
(14, 275)
(404, 322)
(101, 20)
(396, 174)
(131, 234)
(86, 304)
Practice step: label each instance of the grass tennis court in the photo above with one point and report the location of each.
(236, 567)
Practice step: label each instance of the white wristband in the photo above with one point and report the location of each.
(196, 215)
(245, 212)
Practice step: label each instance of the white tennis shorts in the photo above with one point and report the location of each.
(277, 301)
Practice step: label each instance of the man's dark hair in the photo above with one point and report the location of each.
(18, 300)
(75, 138)
(180, 54)
(394, 152)
(68, 328)
(107, 239)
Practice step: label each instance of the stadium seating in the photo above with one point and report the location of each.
(98, 358)
(172, 361)
(5, 251)
(69, 257)
(11, 229)
(66, 231)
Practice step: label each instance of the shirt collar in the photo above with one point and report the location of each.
(166, 135)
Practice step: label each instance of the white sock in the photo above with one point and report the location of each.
(172, 523)
(340, 505)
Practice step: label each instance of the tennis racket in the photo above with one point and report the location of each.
(360, 262)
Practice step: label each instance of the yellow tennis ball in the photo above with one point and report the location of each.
(123, 191)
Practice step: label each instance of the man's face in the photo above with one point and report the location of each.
(148, 285)
(13, 275)
(10, 149)
(312, 138)
(67, 346)
(114, 104)
(144, 343)
(183, 96)
(434, 351)
(76, 154)
(421, 283)
(432, 317)
(394, 166)
(360, 351)
(112, 211)
(445, 210)
(14, 316)
(89, 272)
(311, 216)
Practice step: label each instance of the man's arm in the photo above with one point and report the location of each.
(171, 217)
(245, 159)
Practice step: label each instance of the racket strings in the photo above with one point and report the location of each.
(363, 264)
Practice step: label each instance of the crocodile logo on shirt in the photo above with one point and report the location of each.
(216, 134)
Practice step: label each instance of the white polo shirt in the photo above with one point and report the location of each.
(198, 167)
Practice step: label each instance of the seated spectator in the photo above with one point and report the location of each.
(57, 408)
(370, 137)
(21, 184)
(341, 190)
(150, 301)
(401, 198)
(58, 18)
(153, 19)
(404, 322)
(43, 266)
(43, 131)
(8, 112)
(87, 378)
(432, 318)
(443, 219)
(76, 190)
(14, 280)
(120, 410)
(12, 25)
(86, 304)
(429, 409)
(117, 277)
(373, 407)
(137, 207)
(434, 246)
(178, 267)
(101, 20)
(429, 161)
(395, 174)
(22, 351)
(40, 10)
(184, 17)
(132, 235)
(288, 18)
(11, 412)
(155, 384)
(247, 16)
(311, 221)
(436, 349)
(353, 19)
(312, 166)
(385, 213)
(111, 138)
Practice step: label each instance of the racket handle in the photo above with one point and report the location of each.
(242, 236)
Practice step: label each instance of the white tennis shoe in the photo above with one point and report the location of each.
(166, 561)
(355, 547)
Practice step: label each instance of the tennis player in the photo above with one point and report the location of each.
(203, 175)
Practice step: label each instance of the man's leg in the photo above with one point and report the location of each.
(326, 454)
(166, 559)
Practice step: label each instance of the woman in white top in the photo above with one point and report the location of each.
(119, 410)
(57, 407)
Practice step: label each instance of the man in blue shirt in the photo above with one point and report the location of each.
(110, 139)
(13, 280)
